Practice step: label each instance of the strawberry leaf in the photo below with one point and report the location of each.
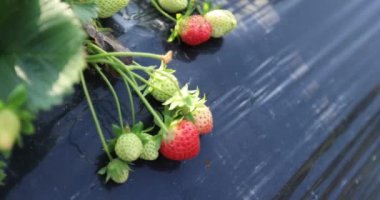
(86, 10)
(40, 48)
(17, 97)
(27, 127)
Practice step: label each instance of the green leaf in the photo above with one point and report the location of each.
(17, 97)
(117, 130)
(40, 47)
(86, 11)
(27, 127)
(138, 127)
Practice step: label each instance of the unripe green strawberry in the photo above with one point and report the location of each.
(128, 147)
(163, 84)
(119, 174)
(222, 22)
(173, 6)
(107, 8)
(150, 151)
(10, 127)
(116, 170)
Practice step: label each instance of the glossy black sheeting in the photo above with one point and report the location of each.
(295, 95)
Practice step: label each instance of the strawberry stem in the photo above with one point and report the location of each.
(143, 99)
(131, 104)
(95, 117)
(134, 54)
(190, 8)
(116, 98)
(118, 66)
(159, 9)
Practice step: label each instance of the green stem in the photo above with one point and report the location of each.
(190, 8)
(143, 99)
(116, 66)
(95, 117)
(159, 9)
(131, 102)
(133, 54)
(130, 67)
(116, 98)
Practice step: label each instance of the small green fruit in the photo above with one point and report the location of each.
(222, 22)
(151, 147)
(173, 6)
(10, 127)
(165, 85)
(107, 8)
(128, 147)
(116, 170)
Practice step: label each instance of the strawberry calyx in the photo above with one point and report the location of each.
(169, 118)
(185, 100)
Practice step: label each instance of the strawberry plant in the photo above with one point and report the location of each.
(40, 68)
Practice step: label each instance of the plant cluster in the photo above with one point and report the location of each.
(40, 68)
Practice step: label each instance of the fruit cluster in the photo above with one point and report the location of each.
(182, 116)
(193, 26)
(195, 29)
(185, 117)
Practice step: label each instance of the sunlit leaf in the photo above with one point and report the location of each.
(41, 47)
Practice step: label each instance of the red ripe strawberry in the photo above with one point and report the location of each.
(194, 30)
(182, 141)
(203, 119)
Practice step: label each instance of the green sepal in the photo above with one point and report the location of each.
(175, 31)
(157, 139)
(137, 128)
(27, 127)
(170, 117)
(111, 143)
(185, 100)
(117, 130)
(102, 171)
(148, 129)
(17, 97)
(26, 115)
